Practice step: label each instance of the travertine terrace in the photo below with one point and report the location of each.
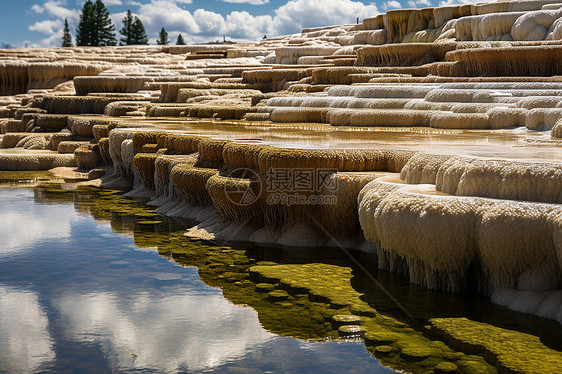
(442, 128)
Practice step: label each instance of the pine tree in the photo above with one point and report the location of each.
(127, 30)
(163, 38)
(104, 32)
(95, 27)
(180, 40)
(133, 31)
(139, 33)
(66, 37)
(85, 25)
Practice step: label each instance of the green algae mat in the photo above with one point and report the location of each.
(393, 342)
(511, 351)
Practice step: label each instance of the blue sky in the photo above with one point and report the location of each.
(39, 22)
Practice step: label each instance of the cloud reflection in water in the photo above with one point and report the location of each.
(166, 332)
(24, 332)
(24, 224)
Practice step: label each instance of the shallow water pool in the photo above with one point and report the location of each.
(91, 281)
(77, 297)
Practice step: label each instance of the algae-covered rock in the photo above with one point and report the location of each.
(233, 276)
(266, 263)
(363, 309)
(511, 351)
(381, 337)
(415, 353)
(351, 331)
(446, 368)
(325, 283)
(383, 349)
(265, 287)
(346, 319)
(278, 295)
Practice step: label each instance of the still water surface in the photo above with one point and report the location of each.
(77, 297)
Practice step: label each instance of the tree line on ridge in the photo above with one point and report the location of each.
(95, 28)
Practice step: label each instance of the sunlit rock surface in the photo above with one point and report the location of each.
(440, 129)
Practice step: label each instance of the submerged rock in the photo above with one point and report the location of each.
(351, 331)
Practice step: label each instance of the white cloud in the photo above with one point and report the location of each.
(46, 27)
(253, 2)
(296, 14)
(242, 25)
(55, 9)
(37, 8)
(393, 4)
(113, 2)
(164, 13)
(117, 19)
(53, 40)
(210, 23)
(414, 4)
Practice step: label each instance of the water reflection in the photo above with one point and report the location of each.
(479, 143)
(99, 304)
(114, 308)
(24, 332)
(167, 332)
(25, 224)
